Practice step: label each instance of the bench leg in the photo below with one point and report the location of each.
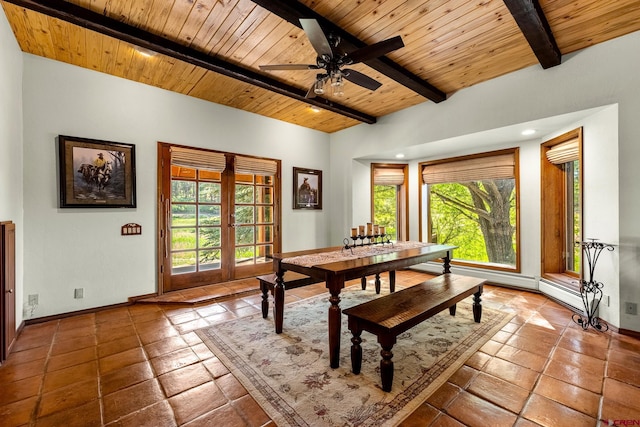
(377, 283)
(363, 283)
(278, 304)
(265, 299)
(452, 310)
(386, 368)
(356, 351)
(477, 307)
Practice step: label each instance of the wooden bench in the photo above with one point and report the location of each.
(390, 315)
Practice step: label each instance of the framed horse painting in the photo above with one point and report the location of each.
(95, 173)
(307, 188)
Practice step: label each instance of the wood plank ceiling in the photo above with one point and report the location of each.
(212, 49)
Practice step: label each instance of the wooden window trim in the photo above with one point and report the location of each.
(553, 224)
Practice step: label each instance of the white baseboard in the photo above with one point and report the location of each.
(497, 277)
(563, 294)
(567, 296)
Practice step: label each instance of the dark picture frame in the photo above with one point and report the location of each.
(307, 188)
(95, 173)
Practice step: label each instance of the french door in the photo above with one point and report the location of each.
(218, 216)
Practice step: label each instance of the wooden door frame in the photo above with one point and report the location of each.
(7, 286)
(164, 181)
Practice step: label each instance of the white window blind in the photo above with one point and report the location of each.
(565, 152)
(199, 159)
(252, 166)
(388, 176)
(499, 166)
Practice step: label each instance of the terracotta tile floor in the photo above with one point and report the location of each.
(144, 365)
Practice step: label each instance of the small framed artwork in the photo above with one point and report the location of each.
(96, 174)
(307, 188)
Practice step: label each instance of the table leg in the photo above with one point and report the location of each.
(377, 282)
(392, 280)
(363, 282)
(265, 299)
(278, 304)
(447, 264)
(335, 318)
(477, 307)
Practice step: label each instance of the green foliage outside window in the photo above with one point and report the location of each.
(479, 217)
(385, 206)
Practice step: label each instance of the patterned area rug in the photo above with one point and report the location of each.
(289, 375)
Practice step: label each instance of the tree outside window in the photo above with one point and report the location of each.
(389, 198)
(472, 204)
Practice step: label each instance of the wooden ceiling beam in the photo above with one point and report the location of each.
(93, 21)
(534, 25)
(293, 11)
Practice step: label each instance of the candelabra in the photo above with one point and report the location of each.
(591, 290)
(366, 240)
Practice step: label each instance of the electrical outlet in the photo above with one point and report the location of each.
(78, 293)
(33, 299)
(606, 300)
(631, 308)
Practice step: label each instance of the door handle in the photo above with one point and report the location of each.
(10, 291)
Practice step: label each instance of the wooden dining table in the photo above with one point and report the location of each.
(337, 265)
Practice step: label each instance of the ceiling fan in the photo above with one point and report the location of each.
(332, 59)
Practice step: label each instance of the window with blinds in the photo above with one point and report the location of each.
(389, 194)
(471, 202)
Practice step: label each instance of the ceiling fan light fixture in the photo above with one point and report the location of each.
(337, 84)
(318, 87)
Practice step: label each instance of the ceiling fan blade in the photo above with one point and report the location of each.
(317, 37)
(375, 50)
(360, 79)
(288, 67)
(311, 93)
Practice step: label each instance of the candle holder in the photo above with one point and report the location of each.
(591, 290)
(366, 240)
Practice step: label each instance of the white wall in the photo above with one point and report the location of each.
(82, 248)
(602, 75)
(11, 144)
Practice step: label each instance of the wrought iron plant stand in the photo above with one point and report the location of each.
(591, 290)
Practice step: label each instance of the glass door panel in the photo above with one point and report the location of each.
(196, 220)
(254, 220)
